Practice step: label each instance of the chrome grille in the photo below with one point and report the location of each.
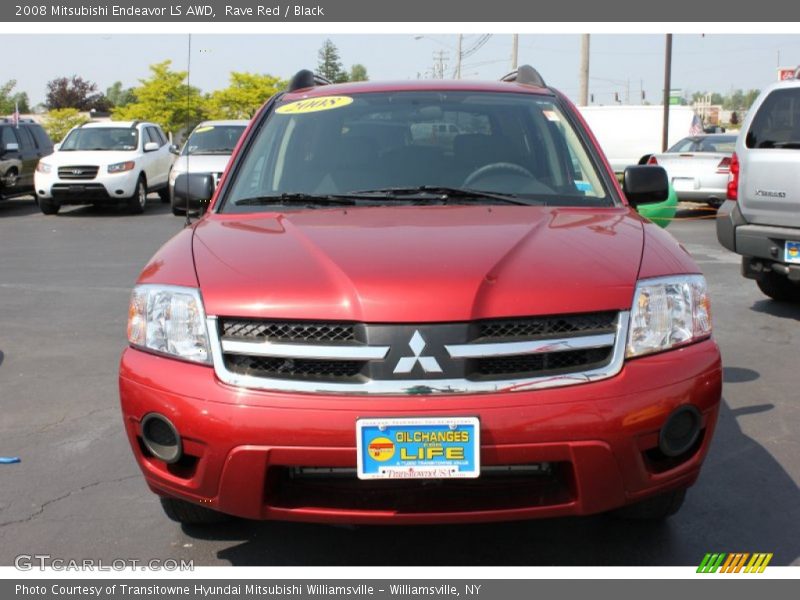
(427, 358)
(78, 172)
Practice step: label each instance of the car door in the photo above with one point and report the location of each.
(29, 155)
(165, 157)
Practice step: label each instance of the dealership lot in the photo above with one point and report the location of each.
(64, 286)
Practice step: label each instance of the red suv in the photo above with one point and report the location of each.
(375, 323)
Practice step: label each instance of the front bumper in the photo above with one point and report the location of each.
(241, 446)
(116, 187)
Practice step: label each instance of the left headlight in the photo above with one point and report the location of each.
(668, 312)
(43, 167)
(169, 320)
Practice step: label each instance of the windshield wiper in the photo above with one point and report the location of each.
(296, 198)
(443, 194)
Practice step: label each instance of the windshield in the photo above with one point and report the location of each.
(102, 138)
(213, 139)
(518, 145)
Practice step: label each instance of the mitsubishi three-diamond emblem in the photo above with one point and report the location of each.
(407, 363)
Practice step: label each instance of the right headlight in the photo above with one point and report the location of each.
(169, 320)
(668, 312)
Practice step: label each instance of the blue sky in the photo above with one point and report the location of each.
(618, 62)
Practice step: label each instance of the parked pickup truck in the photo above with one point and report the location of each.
(365, 329)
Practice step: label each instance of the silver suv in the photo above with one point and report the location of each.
(761, 218)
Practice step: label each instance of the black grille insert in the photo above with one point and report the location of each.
(294, 368)
(288, 331)
(78, 172)
(527, 365)
(549, 326)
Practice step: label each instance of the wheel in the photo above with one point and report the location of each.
(48, 206)
(491, 169)
(178, 212)
(10, 179)
(778, 287)
(163, 193)
(138, 200)
(714, 203)
(191, 514)
(656, 508)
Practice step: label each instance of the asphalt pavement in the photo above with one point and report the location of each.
(77, 492)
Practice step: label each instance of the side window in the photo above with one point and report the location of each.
(26, 139)
(161, 135)
(7, 136)
(42, 140)
(777, 122)
(148, 137)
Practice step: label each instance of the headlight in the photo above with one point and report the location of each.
(43, 167)
(668, 312)
(121, 167)
(169, 320)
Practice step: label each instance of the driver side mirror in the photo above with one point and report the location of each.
(151, 147)
(174, 149)
(645, 185)
(193, 189)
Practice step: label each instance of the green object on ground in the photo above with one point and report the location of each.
(661, 213)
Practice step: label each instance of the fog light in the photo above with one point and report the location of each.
(680, 431)
(161, 438)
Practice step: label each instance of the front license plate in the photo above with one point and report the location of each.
(791, 252)
(425, 448)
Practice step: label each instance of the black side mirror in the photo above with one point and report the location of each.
(645, 185)
(197, 188)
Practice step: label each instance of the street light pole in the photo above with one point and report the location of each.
(667, 85)
(583, 93)
(458, 56)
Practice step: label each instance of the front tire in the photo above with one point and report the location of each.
(138, 201)
(48, 206)
(187, 513)
(778, 287)
(657, 508)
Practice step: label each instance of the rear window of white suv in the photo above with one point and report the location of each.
(777, 122)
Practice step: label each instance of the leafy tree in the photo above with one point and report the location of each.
(119, 96)
(330, 65)
(243, 97)
(74, 92)
(358, 72)
(165, 98)
(58, 122)
(9, 101)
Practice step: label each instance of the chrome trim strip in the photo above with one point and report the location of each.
(424, 386)
(529, 347)
(305, 351)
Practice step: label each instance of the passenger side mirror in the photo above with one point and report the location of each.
(56, 147)
(645, 185)
(174, 149)
(195, 187)
(151, 147)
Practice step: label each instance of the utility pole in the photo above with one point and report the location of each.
(458, 57)
(439, 59)
(583, 93)
(514, 51)
(667, 85)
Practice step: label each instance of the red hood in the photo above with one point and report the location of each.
(418, 264)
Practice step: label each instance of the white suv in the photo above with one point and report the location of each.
(101, 163)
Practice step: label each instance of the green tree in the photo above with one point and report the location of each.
(358, 72)
(119, 96)
(330, 65)
(8, 100)
(244, 96)
(165, 98)
(58, 122)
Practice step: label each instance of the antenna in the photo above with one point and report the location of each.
(188, 112)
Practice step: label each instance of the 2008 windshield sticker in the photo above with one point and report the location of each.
(314, 105)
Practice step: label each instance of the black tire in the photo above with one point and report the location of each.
(714, 203)
(656, 508)
(10, 179)
(48, 206)
(187, 513)
(178, 212)
(137, 202)
(779, 287)
(163, 193)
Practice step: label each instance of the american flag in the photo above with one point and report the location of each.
(697, 126)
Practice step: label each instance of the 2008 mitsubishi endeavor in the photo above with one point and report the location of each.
(374, 323)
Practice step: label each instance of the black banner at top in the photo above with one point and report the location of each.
(712, 11)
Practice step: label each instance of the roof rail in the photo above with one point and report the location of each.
(306, 79)
(11, 120)
(525, 74)
(135, 123)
